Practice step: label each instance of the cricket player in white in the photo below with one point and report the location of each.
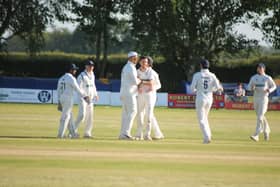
(66, 87)
(86, 82)
(146, 100)
(128, 93)
(262, 85)
(204, 83)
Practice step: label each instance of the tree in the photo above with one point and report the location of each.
(185, 30)
(58, 40)
(122, 40)
(24, 18)
(80, 42)
(264, 15)
(28, 19)
(95, 17)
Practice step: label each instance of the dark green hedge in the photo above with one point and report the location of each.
(172, 76)
(43, 65)
(241, 71)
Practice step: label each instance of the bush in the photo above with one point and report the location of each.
(43, 65)
(52, 64)
(242, 70)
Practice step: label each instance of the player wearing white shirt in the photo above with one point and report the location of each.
(204, 83)
(128, 93)
(146, 100)
(262, 85)
(86, 82)
(66, 87)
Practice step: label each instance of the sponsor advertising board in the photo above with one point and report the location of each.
(25, 95)
(188, 101)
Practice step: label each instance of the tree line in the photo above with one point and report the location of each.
(64, 40)
(182, 31)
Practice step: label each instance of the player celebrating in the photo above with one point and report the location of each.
(204, 83)
(262, 85)
(86, 81)
(128, 93)
(66, 87)
(146, 99)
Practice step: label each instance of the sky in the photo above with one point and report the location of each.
(241, 28)
(251, 33)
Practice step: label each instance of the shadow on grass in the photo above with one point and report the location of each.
(29, 137)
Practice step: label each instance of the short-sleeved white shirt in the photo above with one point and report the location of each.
(67, 85)
(260, 83)
(204, 83)
(150, 74)
(86, 81)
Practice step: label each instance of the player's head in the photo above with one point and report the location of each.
(261, 68)
(204, 64)
(132, 56)
(143, 61)
(89, 65)
(72, 68)
(150, 61)
(239, 85)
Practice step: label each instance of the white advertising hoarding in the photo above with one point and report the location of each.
(50, 96)
(104, 98)
(161, 99)
(25, 95)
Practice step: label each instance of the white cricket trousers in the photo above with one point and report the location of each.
(146, 103)
(157, 132)
(260, 105)
(66, 120)
(155, 126)
(85, 115)
(129, 111)
(203, 107)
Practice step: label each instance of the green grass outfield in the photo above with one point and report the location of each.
(30, 155)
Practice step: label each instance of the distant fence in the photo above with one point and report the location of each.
(229, 88)
(219, 102)
(43, 90)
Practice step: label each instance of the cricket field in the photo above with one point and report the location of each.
(31, 156)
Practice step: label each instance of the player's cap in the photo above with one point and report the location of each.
(89, 63)
(204, 63)
(73, 67)
(261, 65)
(132, 54)
(150, 61)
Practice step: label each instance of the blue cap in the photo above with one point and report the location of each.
(261, 65)
(89, 63)
(73, 67)
(204, 63)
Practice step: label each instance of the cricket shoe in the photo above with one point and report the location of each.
(88, 137)
(62, 137)
(74, 136)
(126, 137)
(255, 138)
(208, 141)
(148, 138)
(266, 136)
(158, 138)
(138, 138)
